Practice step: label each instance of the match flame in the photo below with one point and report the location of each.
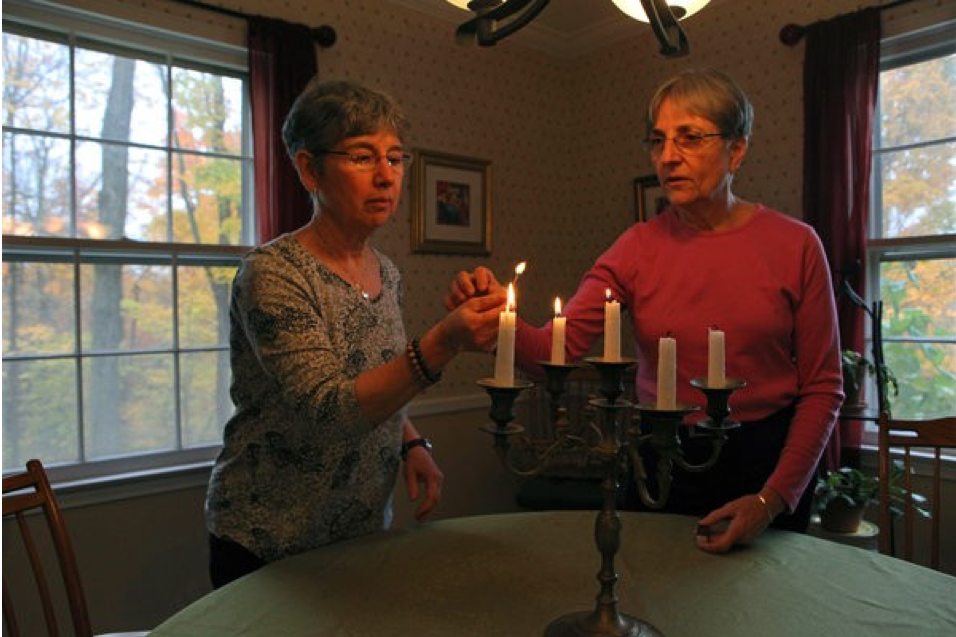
(519, 269)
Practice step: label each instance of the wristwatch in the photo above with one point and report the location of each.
(415, 442)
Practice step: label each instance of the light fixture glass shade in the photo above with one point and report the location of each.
(635, 9)
(461, 4)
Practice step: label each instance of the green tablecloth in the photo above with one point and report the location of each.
(511, 574)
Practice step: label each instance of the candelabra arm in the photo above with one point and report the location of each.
(640, 478)
(542, 460)
(662, 438)
(718, 438)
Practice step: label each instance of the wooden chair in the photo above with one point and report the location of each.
(903, 436)
(22, 494)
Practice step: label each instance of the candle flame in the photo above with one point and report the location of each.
(607, 294)
(557, 306)
(510, 307)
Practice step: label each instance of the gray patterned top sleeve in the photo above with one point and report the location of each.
(300, 466)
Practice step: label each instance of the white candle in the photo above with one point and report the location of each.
(715, 359)
(612, 328)
(667, 373)
(557, 334)
(505, 356)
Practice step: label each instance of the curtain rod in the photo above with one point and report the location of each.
(323, 35)
(791, 33)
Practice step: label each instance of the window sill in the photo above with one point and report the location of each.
(126, 486)
(82, 492)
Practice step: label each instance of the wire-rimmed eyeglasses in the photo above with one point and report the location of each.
(684, 142)
(366, 160)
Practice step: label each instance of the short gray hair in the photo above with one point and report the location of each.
(327, 112)
(710, 94)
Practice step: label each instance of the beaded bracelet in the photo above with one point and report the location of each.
(430, 376)
(417, 361)
(416, 368)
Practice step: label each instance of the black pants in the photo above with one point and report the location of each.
(748, 458)
(229, 561)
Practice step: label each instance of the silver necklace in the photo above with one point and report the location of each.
(351, 278)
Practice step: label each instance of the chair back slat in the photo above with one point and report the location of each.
(38, 496)
(39, 574)
(898, 436)
(908, 484)
(9, 616)
(935, 504)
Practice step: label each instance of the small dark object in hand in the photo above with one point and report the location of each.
(710, 530)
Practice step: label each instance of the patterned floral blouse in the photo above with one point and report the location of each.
(300, 466)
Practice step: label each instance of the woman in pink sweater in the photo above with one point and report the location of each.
(714, 259)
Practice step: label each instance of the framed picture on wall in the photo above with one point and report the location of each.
(649, 197)
(450, 204)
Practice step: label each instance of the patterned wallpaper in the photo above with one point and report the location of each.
(562, 135)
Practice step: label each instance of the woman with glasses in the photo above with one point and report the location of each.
(712, 259)
(322, 369)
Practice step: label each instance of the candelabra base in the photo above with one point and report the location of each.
(590, 624)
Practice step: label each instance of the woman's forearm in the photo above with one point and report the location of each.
(385, 389)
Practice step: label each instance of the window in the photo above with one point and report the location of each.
(126, 204)
(912, 247)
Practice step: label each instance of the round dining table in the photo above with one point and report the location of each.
(512, 574)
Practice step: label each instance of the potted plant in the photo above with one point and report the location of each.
(842, 497)
(855, 369)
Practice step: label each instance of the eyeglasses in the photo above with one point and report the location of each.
(366, 160)
(685, 142)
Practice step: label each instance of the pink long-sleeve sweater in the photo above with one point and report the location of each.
(766, 284)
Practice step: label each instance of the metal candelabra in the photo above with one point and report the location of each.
(656, 429)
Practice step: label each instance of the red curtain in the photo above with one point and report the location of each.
(281, 62)
(841, 75)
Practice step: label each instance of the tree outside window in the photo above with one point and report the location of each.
(912, 249)
(126, 204)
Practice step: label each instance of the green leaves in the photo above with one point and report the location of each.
(857, 488)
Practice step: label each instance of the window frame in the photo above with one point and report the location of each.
(76, 27)
(897, 51)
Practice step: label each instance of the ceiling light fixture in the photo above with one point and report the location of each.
(497, 19)
(680, 8)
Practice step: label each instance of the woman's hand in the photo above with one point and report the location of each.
(468, 285)
(420, 469)
(743, 520)
(473, 324)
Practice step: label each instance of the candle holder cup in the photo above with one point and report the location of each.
(655, 429)
(718, 403)
(612, 375)
(502, 411)
(556, 375)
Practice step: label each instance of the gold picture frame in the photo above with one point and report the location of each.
(649, 197)
(450, 204)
